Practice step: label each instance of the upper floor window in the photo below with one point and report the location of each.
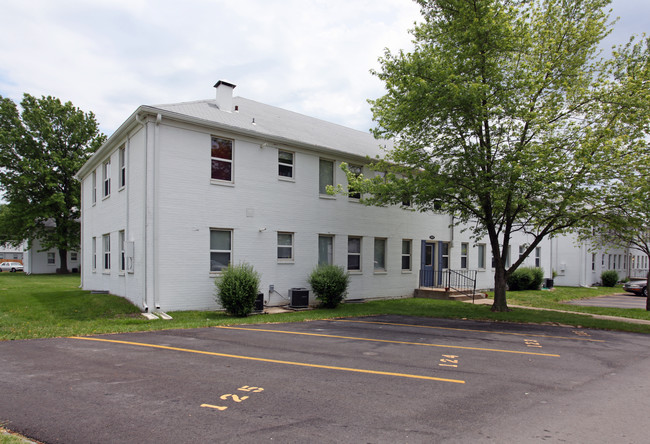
(356, 171)
(222, 159)
(285, 164)
(122, 160)
(325, 175)
(94, 190)
(106, 178)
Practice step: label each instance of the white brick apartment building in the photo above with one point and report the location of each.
(180, 190)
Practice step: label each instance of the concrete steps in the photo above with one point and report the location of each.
(444, 294)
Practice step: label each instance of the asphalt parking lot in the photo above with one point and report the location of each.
(377, 380)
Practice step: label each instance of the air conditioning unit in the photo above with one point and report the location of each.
(259, 303)
(299, 297)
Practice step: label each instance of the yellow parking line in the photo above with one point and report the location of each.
(470, 330)
(391, 342)
(274, 361)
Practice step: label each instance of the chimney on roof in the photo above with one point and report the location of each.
(224, 95)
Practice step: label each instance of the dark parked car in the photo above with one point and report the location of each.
(639, 288)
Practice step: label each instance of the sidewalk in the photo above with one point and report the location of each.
(597, 316)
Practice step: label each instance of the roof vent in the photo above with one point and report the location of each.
(224, 95)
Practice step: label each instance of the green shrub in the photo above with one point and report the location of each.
(330, 284)
(526, 278)
(609, 278)
(237, 289)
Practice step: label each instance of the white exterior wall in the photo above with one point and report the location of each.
(169, 206)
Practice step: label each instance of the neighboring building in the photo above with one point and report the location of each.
(48, 261)
(579, 264)
(9, 252)
(181, 190)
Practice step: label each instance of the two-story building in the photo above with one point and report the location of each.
(181, 190)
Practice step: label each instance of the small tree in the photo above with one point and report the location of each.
(237, 288)
(330, 284)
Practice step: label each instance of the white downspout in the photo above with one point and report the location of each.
(138, 119)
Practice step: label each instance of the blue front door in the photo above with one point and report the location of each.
(426, 266)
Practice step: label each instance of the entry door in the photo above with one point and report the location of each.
(427, 264)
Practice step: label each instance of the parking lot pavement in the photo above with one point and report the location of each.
(623, 300)
(379, 379)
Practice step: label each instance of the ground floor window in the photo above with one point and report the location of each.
(325, 250)
(220, 249)
(538, 257)
(51, 259)
(106, 242)
(380, 254)
(285, 247)
(464, 250)
(406, 254)
(94, 253)
(481, 256)
(122, 252)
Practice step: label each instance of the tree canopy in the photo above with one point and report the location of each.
(504, 115)
(41, 148)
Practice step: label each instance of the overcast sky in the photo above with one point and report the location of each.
(308, 56)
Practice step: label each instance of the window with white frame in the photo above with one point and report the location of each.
(406, 254)
(538, 257)
(73, 256)
(285, 164)
(593, 261)
(222, 159)
(94, 190)
(220, 249)
(285, 247)
(325, 175)
(481, 256)
(325, 249)
(122, 251)
(106, 178)
(380, 254)
(122, 161)
(444, 255)
(522, 250)
(464, 251)
(51, 259)
(106, 249)
(356, 172)
(94, 258)
(354, 253)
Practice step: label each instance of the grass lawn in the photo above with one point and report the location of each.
(46, 306)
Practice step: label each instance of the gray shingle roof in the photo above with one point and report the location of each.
(273, 122)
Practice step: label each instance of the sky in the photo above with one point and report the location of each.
(309, 56)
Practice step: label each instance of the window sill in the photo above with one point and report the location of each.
(281, 262)
(407, 271)
(326, 197)
(122, 188)
(222, 183)
(107, 272)
(380, 272)
(286, 179)
(355, 272)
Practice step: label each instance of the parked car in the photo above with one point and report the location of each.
(11, 266)
(639, 288)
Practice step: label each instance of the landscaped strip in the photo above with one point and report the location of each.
(53, 306)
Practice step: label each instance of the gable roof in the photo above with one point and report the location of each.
(259, 120)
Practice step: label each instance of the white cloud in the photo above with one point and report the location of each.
(110, 56)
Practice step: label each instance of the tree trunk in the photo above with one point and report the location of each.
(647, 281)
(500, 303)
(63, 256)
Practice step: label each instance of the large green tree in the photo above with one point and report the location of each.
(42, 146)
(504, 115)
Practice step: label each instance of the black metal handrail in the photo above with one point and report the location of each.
(461, 281)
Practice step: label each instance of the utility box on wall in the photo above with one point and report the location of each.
(299, 297)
